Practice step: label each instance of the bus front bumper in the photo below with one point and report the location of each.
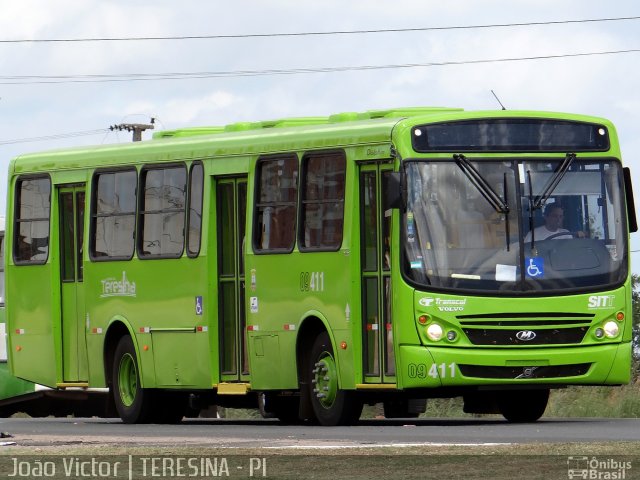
(432, 367)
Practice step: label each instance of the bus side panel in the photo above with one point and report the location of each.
(267, 369)
(274, 317)
(181, 359)
(158, 298)
(95, 353)
(312, 282)
(10, 386)
(31, 324)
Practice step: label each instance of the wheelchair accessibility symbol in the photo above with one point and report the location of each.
(535, 266)
(198, 305)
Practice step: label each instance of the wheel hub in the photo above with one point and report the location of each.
(127, 380)
(325, 380)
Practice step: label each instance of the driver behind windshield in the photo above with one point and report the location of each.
(553, 217)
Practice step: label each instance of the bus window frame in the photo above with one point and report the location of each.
(301, 198)
(93, 215)
(195, 254)
(139, 224)
(256, 201)
(16, 219)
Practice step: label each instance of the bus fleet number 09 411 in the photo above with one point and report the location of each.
(421, 370)
(312, 281)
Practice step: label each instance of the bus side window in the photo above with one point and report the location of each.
(113, 215)
(276, 200)
(194, 227)
(33, 205)
(162, 211)
(322, 215)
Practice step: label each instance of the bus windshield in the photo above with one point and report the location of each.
(514, 226)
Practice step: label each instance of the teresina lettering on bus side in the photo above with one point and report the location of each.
(118, 288)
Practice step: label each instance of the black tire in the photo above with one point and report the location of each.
(133, 403)
(331, 405)
(523, 406)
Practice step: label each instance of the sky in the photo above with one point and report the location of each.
(601, 85)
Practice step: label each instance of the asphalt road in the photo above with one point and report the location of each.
(272, 434)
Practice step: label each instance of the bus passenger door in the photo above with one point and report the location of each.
(231, 201)
(377, 335)
(71, 201)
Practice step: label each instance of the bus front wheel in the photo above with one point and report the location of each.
(331, 405)
(133, 403)
(523, 406)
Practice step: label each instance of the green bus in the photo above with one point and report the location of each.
(313, 265)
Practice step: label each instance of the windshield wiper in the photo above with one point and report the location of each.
(552, 183)
(548, 189)
(478, 181)
(489, 194)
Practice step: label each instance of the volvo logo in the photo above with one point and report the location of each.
(527, 372)
(525, 335)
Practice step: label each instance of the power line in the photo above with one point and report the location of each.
(54, 137)
(308, 34)
(137, 77)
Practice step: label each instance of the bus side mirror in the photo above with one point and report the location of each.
(631, 208)
(393, 190)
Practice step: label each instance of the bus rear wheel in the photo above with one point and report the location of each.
(133, 403)
(523, 406)
(331, 405)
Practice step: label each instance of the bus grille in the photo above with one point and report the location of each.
(541, 328)
(555, 371)
(555, 336)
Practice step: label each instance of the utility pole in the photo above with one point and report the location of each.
(136, 128)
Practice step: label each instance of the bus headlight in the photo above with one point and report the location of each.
(611, 329)
(434, 332)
